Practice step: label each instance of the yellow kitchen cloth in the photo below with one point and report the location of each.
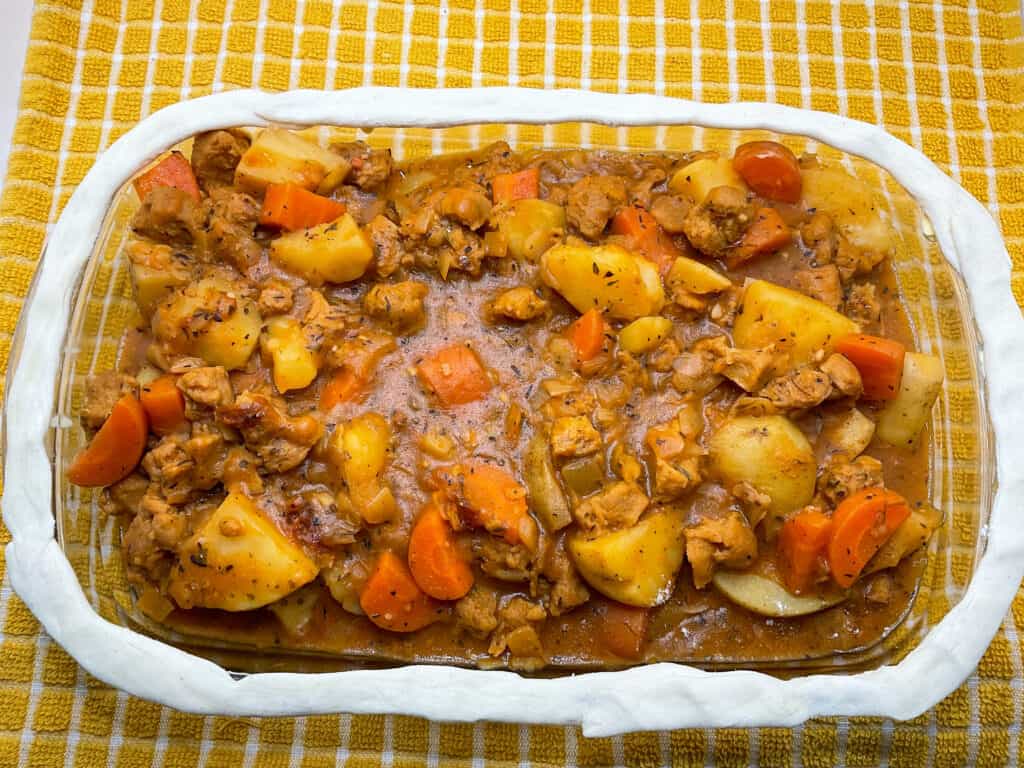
(947, 77)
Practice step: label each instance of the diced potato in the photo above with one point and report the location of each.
(607, 277)
(769, 598)
(531, 227)
(691, 275)
(295, 366)
(278, 156)
(912, 534)
(156, 270)
(238, 560)
(437, 444)
(901, 420)
(637, 565)
(793, 322)
(704, 174)
(336, 252)
(644, 334)
(229, 329)
(771, 454)
(546, 496)
(848, 433)
(360, 451)
(850, 203)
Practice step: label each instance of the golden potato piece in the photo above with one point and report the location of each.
(278, 156)
(335, 252)
(704, 174)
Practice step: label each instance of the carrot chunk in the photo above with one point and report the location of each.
(860, 526)
(767, 234)
(436, 564)
(649, 239)
(498, 503)
(587, 335)
(801, 549)
(115, 450)
(622, 629)
(455, 375)
(173, 171)
(392, 600)
(770, 169)
(164, 404)
(343, 387)
(879, 360)
(509, 187)
(290, 207)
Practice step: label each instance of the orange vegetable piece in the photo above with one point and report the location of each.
(879, 360)
(436, 564)
(173, 171)
(164, 404)
(392, 600)
(622, 629)
(455, 375)
(497, 502)
(344, 386)
(115, 450)
(801, 547)
(587, 335)
(767, 234)
(770, 169)
(648, 237)
(860, 526)
(509, 187)
(290, 207)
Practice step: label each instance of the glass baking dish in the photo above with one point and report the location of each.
(962, 481)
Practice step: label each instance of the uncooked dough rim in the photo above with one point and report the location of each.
(658, 696)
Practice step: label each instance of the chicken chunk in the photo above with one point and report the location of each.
(719, 222)
(369, 167)
(399, 305)
(388, 252)
(819, 234)
(574, 436)
(841, 478)
(207, 385)
(798, 390)
(469, 205)
(567, 588)
(504, 561)
(215, 155)
(276, 298)
(670, 212)
(852, 261)
(279, 440)
(168, 215)
(862, 304)
(845, 378)
(102, 391)
(230, 219)
(750, 369)
(517, 631)
(618, 505)
(821, 283)
(477, 611)
(519, 303)
(698, 370)
(593, 200)
(727, 541)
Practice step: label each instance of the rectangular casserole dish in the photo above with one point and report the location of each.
(92, 597)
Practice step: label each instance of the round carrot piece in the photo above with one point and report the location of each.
(164, 404)
(435, 562)
(879, 361)
(587, 335)
(860, 526)
(115, 450)
(392, 600)
(801, 549)
(498, 503)
(770, 169)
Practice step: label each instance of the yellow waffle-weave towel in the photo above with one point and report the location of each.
(946, 77)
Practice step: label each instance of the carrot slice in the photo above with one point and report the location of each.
(622, 629)
(115, 450)
(173, 171)
(801, 549)
(290, 207)
(392, 600)
(436, 564)
(498, 503)
(879, 360)
(587, 335)
(648, 237)
(509, 187)
(767, 234)
(860, 526)
(770, 169)
(164, 404)
(344, 386)
(455, 375)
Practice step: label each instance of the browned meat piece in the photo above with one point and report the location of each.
(227, 236)
(168, 215)
(316, 518)
(517, 633)
(640, 191)
(747, 405)
(102, 391)
(574, 436)
(675, 454)
(465, 251)
(477, 611)
(617, 505)
(399, 305)
(663, 356)
(240, 472)
(209, 386)
(498, 558)
(323, 325)
(370, 167)
(567, 588)
(819, 234)
(360, 351)
(126, 495)
(821, 283)
(276, 298)
(151, 538)
(670, 212)
(468, 205)
(170, 465)
(215, 155)
(853, 261)
(208, 449)
(723, 308)
(575, 403)
(862, 304)
(750, 369)
(698, 370)
(841, 478)
(389, 254)
(727, 541)
(519, 303)
(279, 440)
(800, 389)
(593, 200)
(754, 502)
(719, 222)
(843, 374)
